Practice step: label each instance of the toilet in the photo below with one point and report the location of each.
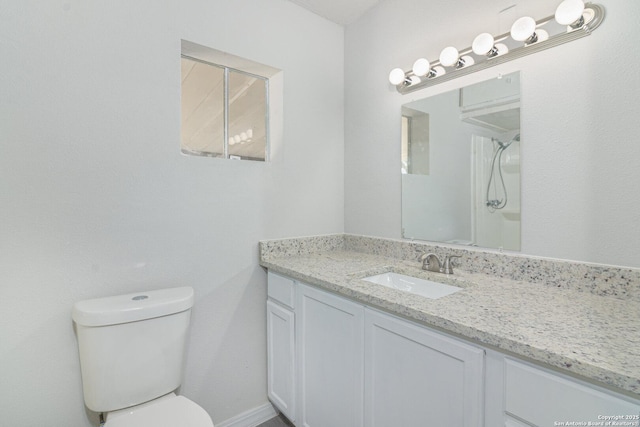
(132, 351)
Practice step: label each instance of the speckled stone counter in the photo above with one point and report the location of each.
(580, 318)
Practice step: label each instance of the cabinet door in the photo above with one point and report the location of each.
(281, 359)
(542, 398)
(329, 330)
(417, 377)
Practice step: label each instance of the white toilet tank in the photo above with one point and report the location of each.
(132, 346)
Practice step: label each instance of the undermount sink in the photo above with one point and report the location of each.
(414, 285)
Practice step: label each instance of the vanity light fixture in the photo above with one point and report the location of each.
(450, 57)
(398, 77)
(572, 20)
(485, 44)
(524, 30)
(572, 13)
(422, 68)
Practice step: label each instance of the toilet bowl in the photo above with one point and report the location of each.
(132, 350)
(166, 411)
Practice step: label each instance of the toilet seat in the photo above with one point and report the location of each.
(167, 411)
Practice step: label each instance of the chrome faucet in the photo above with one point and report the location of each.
(431, 262)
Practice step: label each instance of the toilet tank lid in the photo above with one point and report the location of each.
(132, 307)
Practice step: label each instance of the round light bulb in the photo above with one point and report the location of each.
(421, 67)
(396, 76)
(569, 11)
(237, 138)
(231, 141)
(250, 133)
(523, 28)
(243, 136)
(482, 44)
(449, 56)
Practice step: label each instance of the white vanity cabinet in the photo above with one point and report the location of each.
(335, 363)
(418, 377)
(329, 334)
(414, 376)
(281, 344)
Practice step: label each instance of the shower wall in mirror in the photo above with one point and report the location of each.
(461, 166)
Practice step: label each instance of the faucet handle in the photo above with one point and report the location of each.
(447, 268)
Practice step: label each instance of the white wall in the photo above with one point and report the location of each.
(96, 199)
(580, 114)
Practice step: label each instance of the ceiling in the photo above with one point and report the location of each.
(339, 11)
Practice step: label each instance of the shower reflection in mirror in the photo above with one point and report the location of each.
(461, 166)
(496, 186)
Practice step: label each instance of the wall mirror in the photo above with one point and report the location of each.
(461, 166)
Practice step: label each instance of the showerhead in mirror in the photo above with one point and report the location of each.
(504, 145)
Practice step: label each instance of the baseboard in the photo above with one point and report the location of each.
(251, 418)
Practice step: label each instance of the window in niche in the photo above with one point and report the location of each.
(225, 109)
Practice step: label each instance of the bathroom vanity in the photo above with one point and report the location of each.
(343, 351)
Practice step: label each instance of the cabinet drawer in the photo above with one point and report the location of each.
(280, 289)
(543, 398)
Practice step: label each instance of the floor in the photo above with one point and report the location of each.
(279, 421)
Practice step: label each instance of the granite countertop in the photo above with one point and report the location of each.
(590, 335)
